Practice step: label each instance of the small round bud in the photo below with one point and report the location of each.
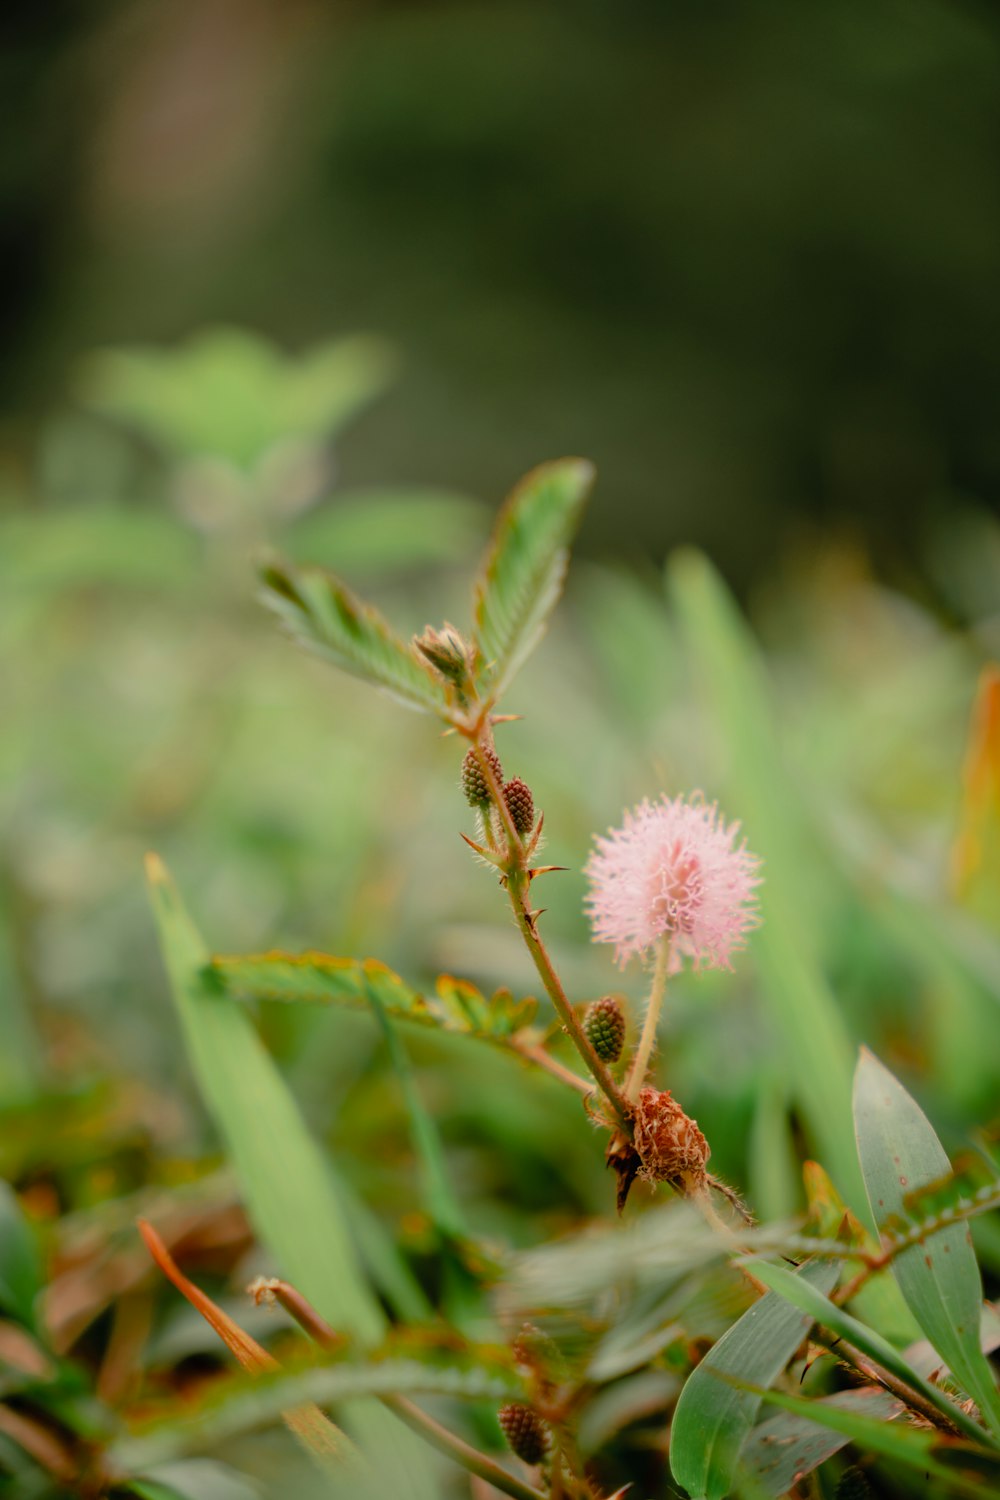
(520, 804)
(474, 783)
(524, 1431)
(604, 1027)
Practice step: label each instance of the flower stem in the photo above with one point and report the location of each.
(518, 882)
(644, 1051)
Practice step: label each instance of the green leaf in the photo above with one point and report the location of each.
(805, 1020)
(713, 1416)
(327, 619)
(522, 574)
(229, 394)
(810, 1300)
(939, 1278)
(20, 1265)
(286, 1186)
(966, 1468)
(784, 1449)
(318, 978)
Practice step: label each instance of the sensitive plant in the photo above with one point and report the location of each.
(671, 884)
(587, 1324)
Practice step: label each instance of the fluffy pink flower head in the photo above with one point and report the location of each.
(673, 868)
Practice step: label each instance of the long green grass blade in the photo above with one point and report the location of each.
(288, 1192)
(329, 620)
(806, 1023)
(522, 574)
(939, 1279)
(713, 1415)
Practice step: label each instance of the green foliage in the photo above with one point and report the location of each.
(228, 394)
(522, 574)
(713, 1417)
(318, 978)
(284, 1179)
(325, 617)
(939, 1278)
(20, 1264)
(783, 1450)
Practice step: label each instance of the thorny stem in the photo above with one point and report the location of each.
(432, 1432)
(877, 1373)
(517, 879)
(647, 1041)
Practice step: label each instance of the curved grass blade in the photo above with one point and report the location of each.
(939, 1278)
(319, 978)
(522, 574)
(288, 1192)
(329, 620)
(809, 1299)
(713, 1415)
(967, 1469)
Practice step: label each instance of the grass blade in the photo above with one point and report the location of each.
(288, 1192)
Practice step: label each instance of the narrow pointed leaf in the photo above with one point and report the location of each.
(320, 979)
(287, 1189)
(968, 1470)
(939, 1277)
(809, 1299)
(326, 618)
(522, 573)
(784, 1449)
(713, 1416)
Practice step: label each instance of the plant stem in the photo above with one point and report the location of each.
(552, 1065)
(463, 1453)
(644, 1051)
(518, 881)
(439, 1437)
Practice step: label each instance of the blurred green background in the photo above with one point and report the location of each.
(743, 255)
(330, 279)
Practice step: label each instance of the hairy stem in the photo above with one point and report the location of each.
(647, 1041)
(518, 881)
(463, 1453)
(543, 1059)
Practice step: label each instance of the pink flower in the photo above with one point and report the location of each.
(673, 868)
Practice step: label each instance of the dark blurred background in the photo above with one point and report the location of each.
(744, 255)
